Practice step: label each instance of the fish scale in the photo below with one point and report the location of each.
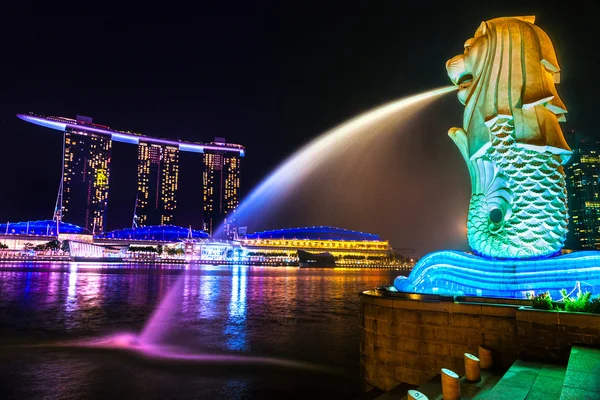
(537, 225)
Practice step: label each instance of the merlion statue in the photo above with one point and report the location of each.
(511, 140)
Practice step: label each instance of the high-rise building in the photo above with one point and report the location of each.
(85, 182)
(221, 187)
(583, 188)
(83, 195)
(158, 172)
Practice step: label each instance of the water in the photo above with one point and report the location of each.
(55, 320)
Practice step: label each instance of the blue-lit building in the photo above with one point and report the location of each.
(159, 233)
(314, 233)
(346, 246)
(41, 228)
(18, 236)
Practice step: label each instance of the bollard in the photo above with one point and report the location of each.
(450, 385)
(485, 357)
(472, 370)
(416, 395)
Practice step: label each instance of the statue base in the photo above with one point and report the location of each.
(456, 273)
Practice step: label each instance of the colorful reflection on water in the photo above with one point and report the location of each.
(285, 313)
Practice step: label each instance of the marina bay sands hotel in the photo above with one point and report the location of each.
(83, 195)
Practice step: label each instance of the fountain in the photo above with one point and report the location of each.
(515, 150)
(343, 177)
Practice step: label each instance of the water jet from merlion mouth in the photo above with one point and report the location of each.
(356, 176)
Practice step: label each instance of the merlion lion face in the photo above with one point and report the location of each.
(465, 69)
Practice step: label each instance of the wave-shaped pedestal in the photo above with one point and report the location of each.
(458, 273)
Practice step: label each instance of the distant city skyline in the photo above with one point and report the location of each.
(583, 189)
(84, 191)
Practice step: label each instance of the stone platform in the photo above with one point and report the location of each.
(408, 338)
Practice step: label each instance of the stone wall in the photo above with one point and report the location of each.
(549, 335)
(404, 340)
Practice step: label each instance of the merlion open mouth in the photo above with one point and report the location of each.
(465, 81)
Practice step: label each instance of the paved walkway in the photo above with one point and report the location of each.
(582, 380)
(526, 380)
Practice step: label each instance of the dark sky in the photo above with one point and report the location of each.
(269, 76)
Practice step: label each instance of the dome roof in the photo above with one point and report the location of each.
(314, 233)
(169, 233)
(46, 227)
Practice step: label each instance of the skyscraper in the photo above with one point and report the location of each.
(86, 173)
(158, 172)
(583, 187)
(221, 186)
(83, 195)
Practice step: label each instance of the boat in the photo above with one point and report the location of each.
(315, 260)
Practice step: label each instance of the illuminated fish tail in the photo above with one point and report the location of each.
(518, 206)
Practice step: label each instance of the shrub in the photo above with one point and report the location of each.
(594, 305)
(579, 304)
(542, 301)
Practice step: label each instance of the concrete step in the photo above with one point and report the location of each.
(527, 380)
(582, 378)
(433, 388)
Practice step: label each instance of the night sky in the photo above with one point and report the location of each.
(270, 77)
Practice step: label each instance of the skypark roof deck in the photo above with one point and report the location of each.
(71, 125)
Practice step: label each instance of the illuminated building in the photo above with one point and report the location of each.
(85, 183)
(158, 171)
(583, 187)
(221, 186)
(346, 246)
(162, 233)
(20, 235)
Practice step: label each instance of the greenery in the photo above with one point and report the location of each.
(3, 246)
(53, 245)
(28, 246)
(265, 254)
(579, 304)
(172, 251)
(542, 301)
(146, 249)
(64, 246)
(594, 305)
(582, 303)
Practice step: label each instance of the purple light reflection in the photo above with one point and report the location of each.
(132, 343)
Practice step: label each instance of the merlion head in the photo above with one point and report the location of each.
(509, 68)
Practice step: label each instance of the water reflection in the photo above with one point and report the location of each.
(235, 329)
(209, 293)
(71, 303)
(305, 315)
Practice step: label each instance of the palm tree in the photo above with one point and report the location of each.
(53, 245)
(28, 246)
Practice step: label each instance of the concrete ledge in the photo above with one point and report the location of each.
(408, 338)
